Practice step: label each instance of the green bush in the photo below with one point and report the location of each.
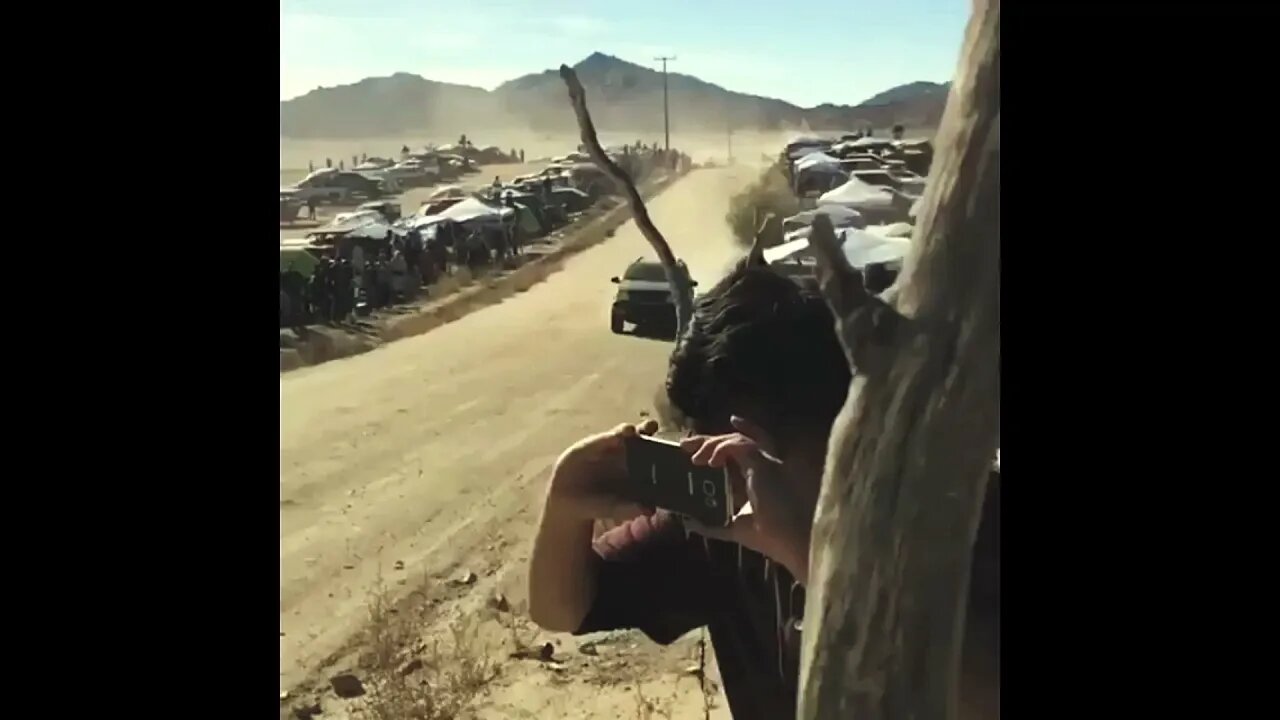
(770, 194)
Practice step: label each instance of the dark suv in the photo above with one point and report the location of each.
(644, 297)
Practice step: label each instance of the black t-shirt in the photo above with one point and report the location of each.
(656, 578)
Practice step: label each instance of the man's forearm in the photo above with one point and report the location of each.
(795, 557)
(562, 571)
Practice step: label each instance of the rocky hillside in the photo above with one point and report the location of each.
(622, 96)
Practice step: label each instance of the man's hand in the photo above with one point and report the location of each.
(780, 517)
(589, 479)
(586, 485)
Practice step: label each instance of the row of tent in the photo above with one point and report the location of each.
(868, 175)
(853, 201)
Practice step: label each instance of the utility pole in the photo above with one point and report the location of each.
(729, 137)
(666, 114)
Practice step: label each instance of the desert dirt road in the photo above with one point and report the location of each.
(404, 466)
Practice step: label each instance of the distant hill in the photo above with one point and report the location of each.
(381, 106)
(621, 95)
(908, 93)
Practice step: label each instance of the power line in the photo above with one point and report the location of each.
(666, 113)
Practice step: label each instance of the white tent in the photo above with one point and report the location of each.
(448, 191)
(375, 230)
(870, 142)
(472, 209)
(892, 230)
(352, 220)
(421, 222)
(858, 195)
(860, 248)
(839, 215)
(817, 160)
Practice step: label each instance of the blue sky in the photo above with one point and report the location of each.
(803, 52)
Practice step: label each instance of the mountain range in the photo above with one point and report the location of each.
(620, 94)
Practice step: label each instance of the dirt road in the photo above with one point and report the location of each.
(406, 465)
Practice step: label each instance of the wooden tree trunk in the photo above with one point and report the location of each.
(909, 454)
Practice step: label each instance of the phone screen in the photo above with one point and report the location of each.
(660, 474)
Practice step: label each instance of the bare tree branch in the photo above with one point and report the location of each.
(868, 328)
(679, 282)
(756, 255)
(908, 458)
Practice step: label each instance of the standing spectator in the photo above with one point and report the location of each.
(384, 281)
(343, 291)
(369, 283)
(521, 154)
(399, 275)
(413, 251)
(357, 259)
(295, 286)
(319, 291)
(328, 162)
(311, 207)
(286, 309)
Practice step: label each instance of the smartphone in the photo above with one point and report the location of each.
(661, 474)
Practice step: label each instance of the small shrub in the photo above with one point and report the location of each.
(771, 193)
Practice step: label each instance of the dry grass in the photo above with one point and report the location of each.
(769, 194)
(409, 674)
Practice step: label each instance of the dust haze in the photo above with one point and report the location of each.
(747, 146)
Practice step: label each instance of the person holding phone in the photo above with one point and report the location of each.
(753, 403)
(758, 380)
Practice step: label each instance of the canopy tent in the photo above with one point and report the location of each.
(857, 164)
(375, 230)
(527, 221)
(816, 160)
(352, 220)
(892, 230)
(418, 222)
(860, 248)
(573, 199)
(297, 258)
(839, 215)
(858, 195)
(800, 151)
(472, 210)
(871, 142)
(448, 191)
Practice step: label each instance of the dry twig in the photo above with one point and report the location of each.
(679, 281)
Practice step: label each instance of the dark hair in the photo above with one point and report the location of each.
(759, 339)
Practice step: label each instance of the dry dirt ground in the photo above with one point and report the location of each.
(413, 474)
